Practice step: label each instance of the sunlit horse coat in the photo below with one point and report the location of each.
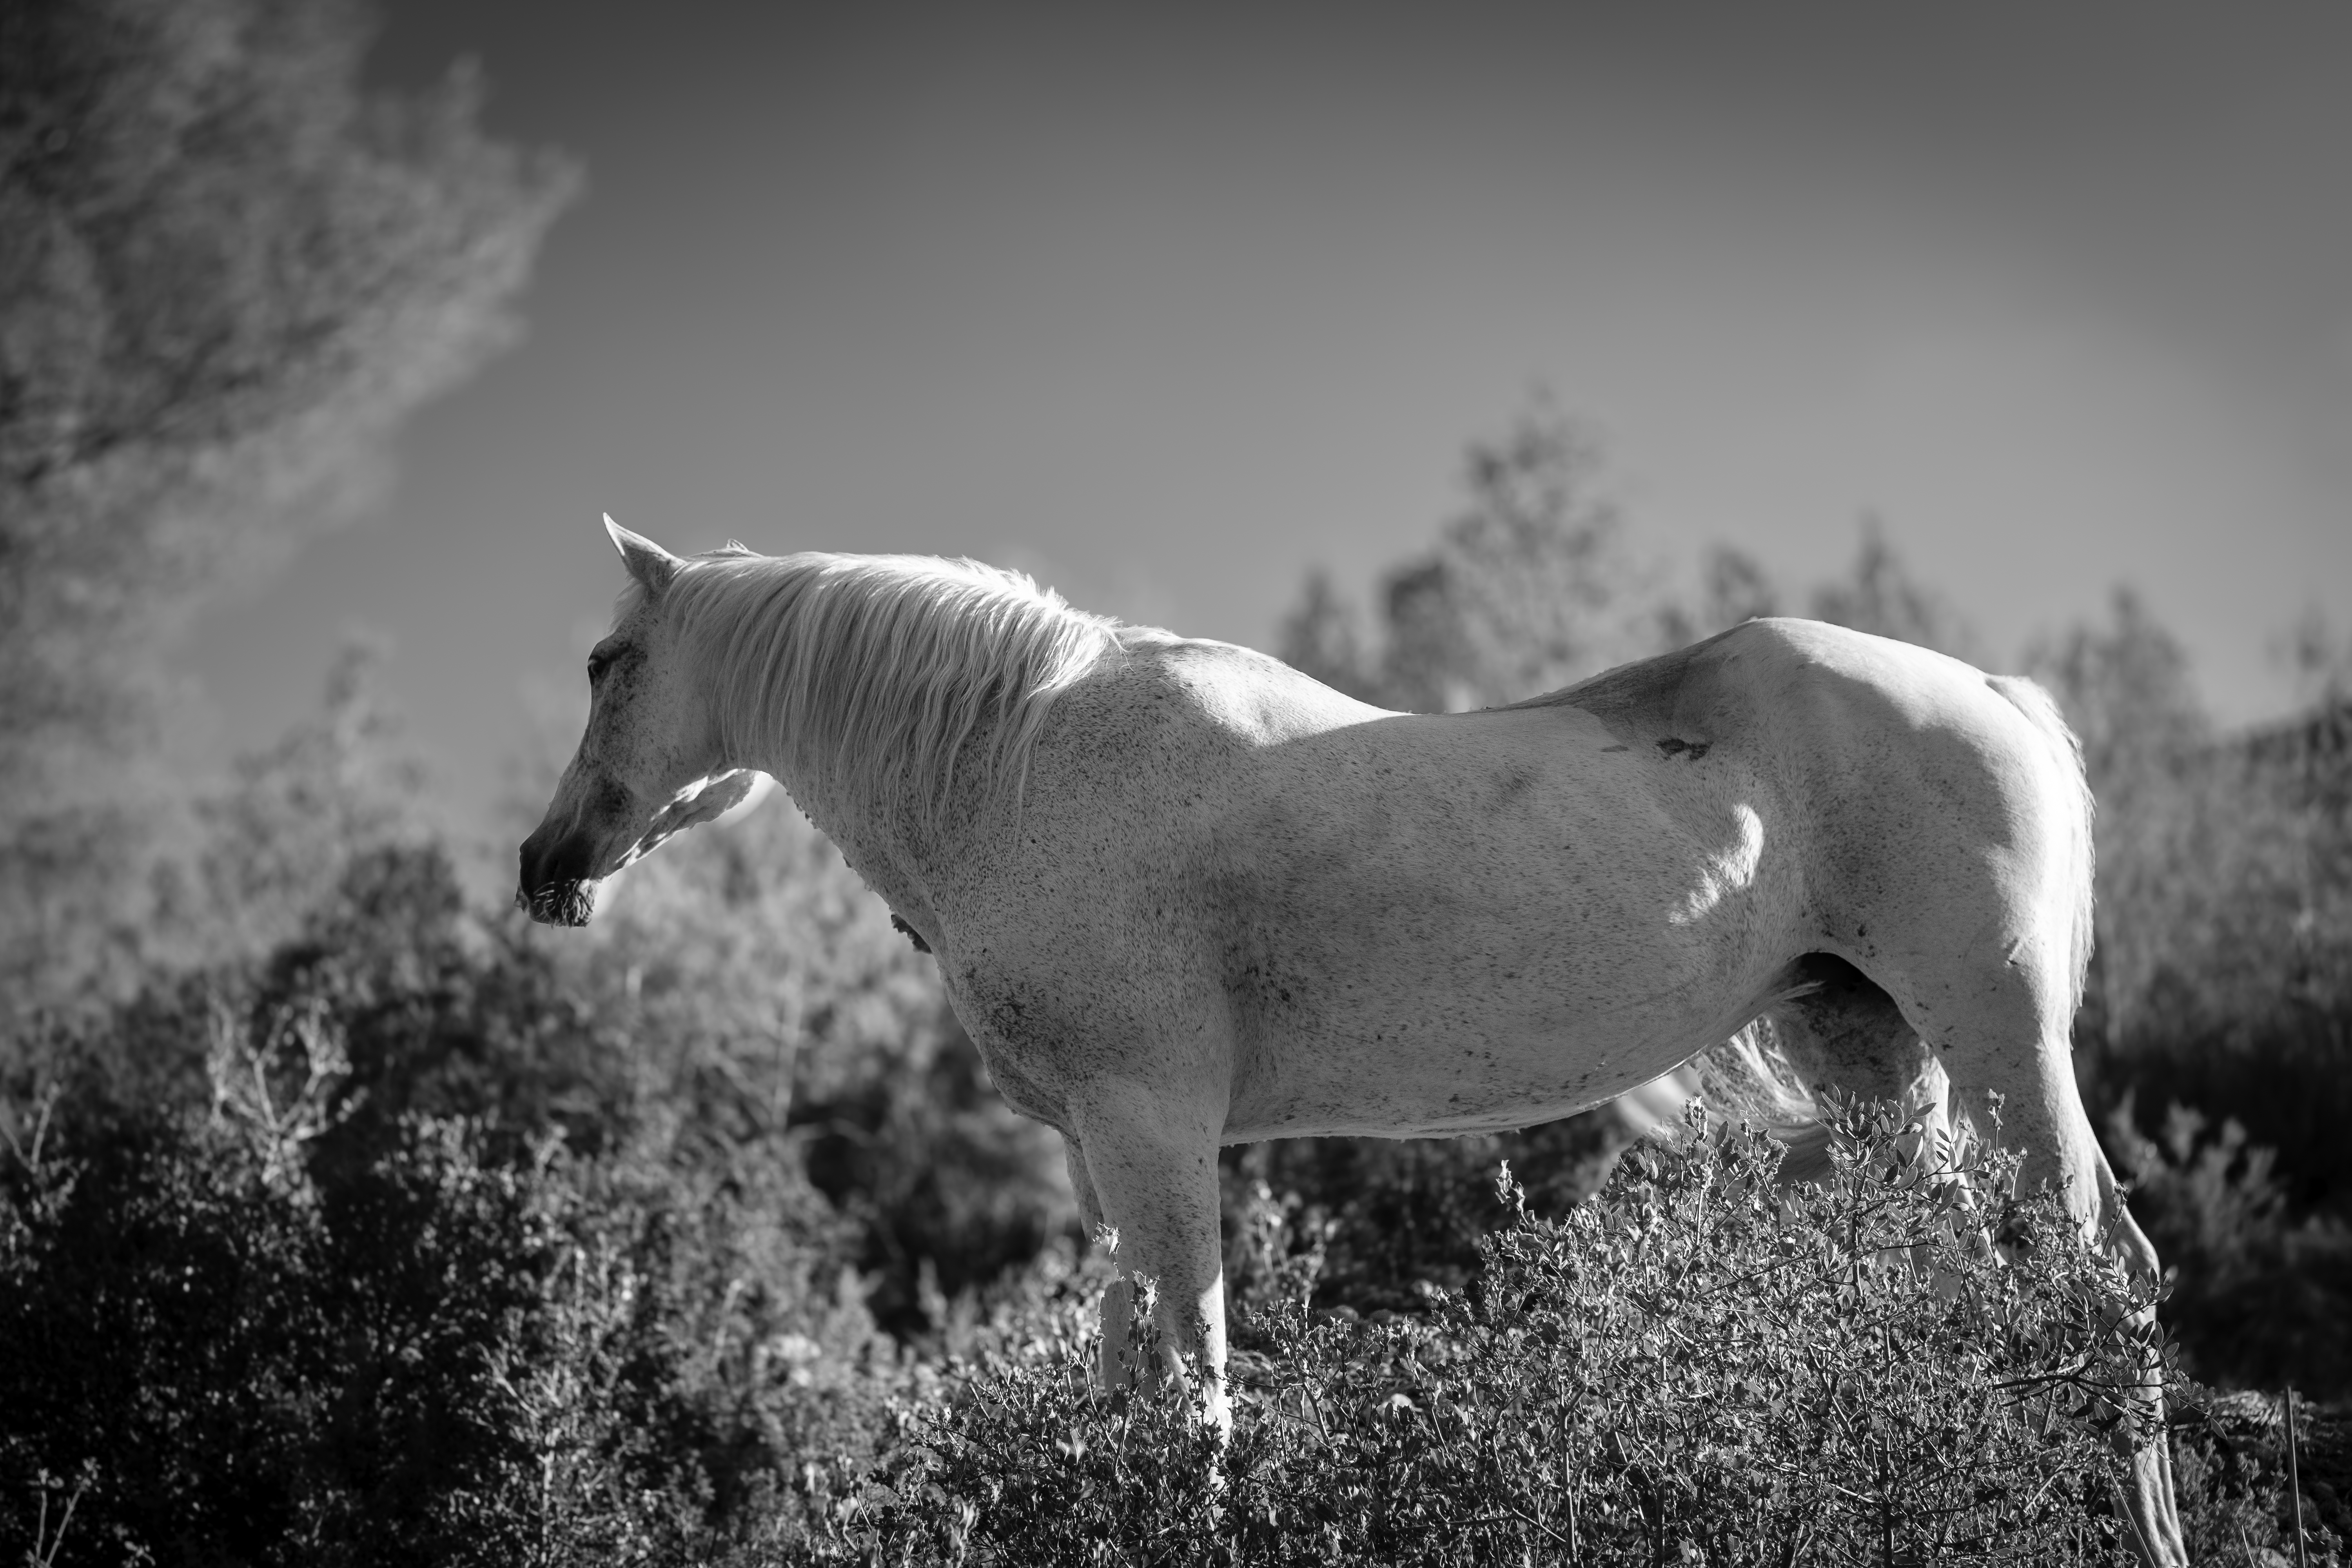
(1182, 895)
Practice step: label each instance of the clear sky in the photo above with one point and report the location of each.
(1168, 304)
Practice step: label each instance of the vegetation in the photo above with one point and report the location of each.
(225, 275)
(1689, 1368)
(2218, 1028)
(392, 1276)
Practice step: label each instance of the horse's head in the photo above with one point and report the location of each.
(650, 764)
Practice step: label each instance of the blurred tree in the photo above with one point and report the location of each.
(273, 843)
(1534, 586)
(1323, 638)
(2126, 689)
(2318, 657)
(1530, 586)
(225, 275)
(2223, 972)
(2127, 692)
(1883, 598)
(1733, 587)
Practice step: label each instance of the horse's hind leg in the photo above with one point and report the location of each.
(2003, 1033)
(2002, 1024)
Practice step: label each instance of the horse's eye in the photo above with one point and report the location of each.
(597, 664)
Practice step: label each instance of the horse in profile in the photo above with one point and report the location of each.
(1182, 895)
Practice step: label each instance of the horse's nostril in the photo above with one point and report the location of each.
(528, 865)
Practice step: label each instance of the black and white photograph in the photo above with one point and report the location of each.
(1196, 785)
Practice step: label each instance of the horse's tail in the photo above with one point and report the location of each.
(2040, 709)
(1745, 1079)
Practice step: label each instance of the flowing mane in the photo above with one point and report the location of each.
(866, 674)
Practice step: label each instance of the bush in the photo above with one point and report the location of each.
(2286, 1080)
(1386, 1218)
(266, 1329)
(246, 1368)
(947, 1187)
(319, 1314)
(2261, 1299)
(1693, 1367)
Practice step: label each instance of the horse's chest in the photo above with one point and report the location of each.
(1039, 1096)
(1034, 1044)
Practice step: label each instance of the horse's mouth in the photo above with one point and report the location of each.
(569, 902)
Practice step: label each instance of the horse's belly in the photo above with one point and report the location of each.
(1524, 923)
(1498, 1056)
(1405, 1017)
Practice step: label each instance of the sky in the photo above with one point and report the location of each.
(1169, 305)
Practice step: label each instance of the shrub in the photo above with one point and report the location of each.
(249, 1369)
(947, 1187)
(274, 1328)
(1387, 1218)
(2261, 1299)
(1692, 1367)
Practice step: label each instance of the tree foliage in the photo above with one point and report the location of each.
(2215, 1039)
(1531, 585)
(2225, 862)
(226, 274)
(1536, 583)
(1883, 598)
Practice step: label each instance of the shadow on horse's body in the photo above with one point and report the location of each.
(1182, 895)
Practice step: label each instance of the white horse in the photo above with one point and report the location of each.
(1183, 896)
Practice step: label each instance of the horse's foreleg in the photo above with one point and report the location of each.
(1119, 1296)
(1151, 1162)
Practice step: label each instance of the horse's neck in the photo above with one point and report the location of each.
(882, 851)
(887, 841)
(890, 822)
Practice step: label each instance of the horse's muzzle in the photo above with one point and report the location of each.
(560, 903)
(554, 888)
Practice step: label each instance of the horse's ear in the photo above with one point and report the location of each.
(648, 563)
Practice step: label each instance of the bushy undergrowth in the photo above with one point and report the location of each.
(262, 1333)
(2263, 1294)
(1694, 1367)
(1385, 1218)
(275, 1327)
(392, 1247)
